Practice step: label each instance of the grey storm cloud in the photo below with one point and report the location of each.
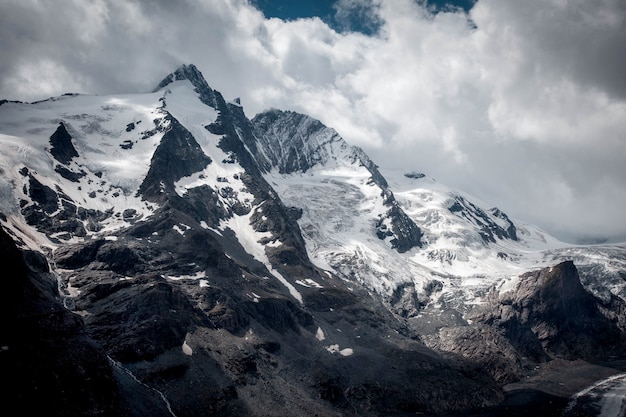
(522, 104)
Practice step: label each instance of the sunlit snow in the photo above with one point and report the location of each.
(340, 206)
(342, 352)
(187, 349)
(319, 334)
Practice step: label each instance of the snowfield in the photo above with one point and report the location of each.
(341, 204)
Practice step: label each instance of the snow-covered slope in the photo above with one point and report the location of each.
(113, 137)
(466, 248)
(482, 246)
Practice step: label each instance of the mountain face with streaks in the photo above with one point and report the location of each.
(189, 261)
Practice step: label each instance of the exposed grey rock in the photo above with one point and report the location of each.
(550, 313)
(414, 175)
(54, 213)
(61, 145)
(489, 228)
(178, 155)
(481, 344)
(404, 300)
(293, 142)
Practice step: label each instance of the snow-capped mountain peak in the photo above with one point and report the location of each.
(293, 142)
(191, 73)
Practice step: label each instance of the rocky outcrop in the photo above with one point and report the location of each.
(488, 223)
(402, 232)
(404, 300)
(190, 72)
(62, 148)
(54, 213)
(481, 344)
(178, 155)
(549, 313)
(231, 342)
(293, 142)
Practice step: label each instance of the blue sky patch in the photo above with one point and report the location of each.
(358, 18)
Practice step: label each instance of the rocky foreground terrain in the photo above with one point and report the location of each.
(165, 255)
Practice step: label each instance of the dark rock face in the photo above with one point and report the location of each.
(293, 142)
(551, 314)
(69, 174)
(53, 212)
(141, 321)
(239, 141)
(489, 229)
(62, 148)
(484, 345)
(404, 233)
(178, 155)
(51, 362)
(511, 231)
(548, 316)
(253, 349)
(43, 196)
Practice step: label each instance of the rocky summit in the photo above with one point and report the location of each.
(165, 255)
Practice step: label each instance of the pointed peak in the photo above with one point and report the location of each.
(184, 72)
(194, 76)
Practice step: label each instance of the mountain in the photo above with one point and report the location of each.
(190, 261)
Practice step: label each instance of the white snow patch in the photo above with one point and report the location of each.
(292, 290)
(332, 348)
(346, 352)
(309, 283)
(343, 352)
(187, 349)
(340, 206)
(319, 334)
(97, 125)
(198, 275)
(181, 228)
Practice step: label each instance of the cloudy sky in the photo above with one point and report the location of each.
(521, 103)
